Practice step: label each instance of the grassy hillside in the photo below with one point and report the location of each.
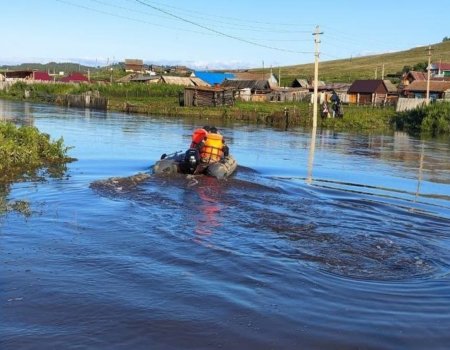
(347, 70)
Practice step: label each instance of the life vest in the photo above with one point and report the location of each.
(198, 136)
(212, 149)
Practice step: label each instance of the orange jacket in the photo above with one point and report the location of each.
(212, 150)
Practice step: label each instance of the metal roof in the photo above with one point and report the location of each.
(185, 81)
(213, 77)
(142, 77)
(37, 75)
(244, 84)
(436, 86)
(366, 86)
(75, 76)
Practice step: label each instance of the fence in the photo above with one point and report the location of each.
(407, 104)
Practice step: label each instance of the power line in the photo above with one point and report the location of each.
(202, 15)
(127, 18)
(219, 32)
(234, 26)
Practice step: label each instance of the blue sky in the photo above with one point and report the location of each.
(213, 34)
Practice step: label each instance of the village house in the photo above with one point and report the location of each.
(75, 77)
(134, 65)
(300, 83)
(409, 77)
(437, 90)
(27, 75)
(269, 77)
(374, 92)
(249, 90)
(288, 94)
(41, 76)
(440, 70)
(208, 96)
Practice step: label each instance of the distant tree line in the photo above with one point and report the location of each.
(445, 39)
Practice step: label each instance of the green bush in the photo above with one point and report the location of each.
(433, 119)
(25, 150)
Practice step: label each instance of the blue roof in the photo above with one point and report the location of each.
(213, 77)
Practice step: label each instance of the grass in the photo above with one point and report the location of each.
(162, 99)
(348, 70)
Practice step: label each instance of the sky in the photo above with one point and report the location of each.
(203, 34)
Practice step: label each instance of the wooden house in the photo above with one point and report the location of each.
(288, 94)
(418, 89)
(255, 86)
(269, 77)
(371, 92)
(134, 65)
(208, 96)
(249, 90)
(409, 77)
(300, 83)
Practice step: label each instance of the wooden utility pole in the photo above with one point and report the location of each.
(427, 101)
(279, 76)
(316, 72)
(382, 72)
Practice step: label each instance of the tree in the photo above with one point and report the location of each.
(445, 39)
(420, 67)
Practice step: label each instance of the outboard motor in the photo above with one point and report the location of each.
(191, 160)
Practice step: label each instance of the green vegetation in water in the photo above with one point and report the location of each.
(19, 206)
(433, 119)
(361, 118)
(26, 153)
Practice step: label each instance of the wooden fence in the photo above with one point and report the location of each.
(87, 100)
(407, 104)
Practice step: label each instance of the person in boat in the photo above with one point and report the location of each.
(214, 148)
(201, 143)
(207, 147)
(199, 137)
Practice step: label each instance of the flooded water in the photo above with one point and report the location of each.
(339, 243)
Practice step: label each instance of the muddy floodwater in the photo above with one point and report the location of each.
(319, 241)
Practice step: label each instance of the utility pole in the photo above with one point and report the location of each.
(427, 101)
(382, 72)
(376, 73)
(316, 72)
(262, 78)
(279, 76)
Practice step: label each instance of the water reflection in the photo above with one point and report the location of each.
(24, 115)
(419, 175)
(312, 150)
(209, 206)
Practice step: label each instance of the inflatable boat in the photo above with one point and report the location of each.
(189, 163)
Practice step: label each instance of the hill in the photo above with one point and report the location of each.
(348, 70)
(51, 66)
